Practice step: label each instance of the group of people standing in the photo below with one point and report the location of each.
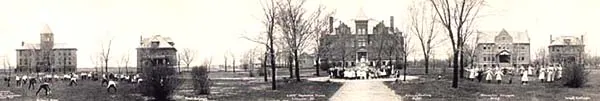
(109, 80)
(545, 74)
(550, 73)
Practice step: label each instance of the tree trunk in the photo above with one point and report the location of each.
(317, 65)
(233, 65)
(126, 71)
(455, 68)
(297, 65)
(273, 69)
(106, 65)
(265, 67)
(290, 66)
(426, 64)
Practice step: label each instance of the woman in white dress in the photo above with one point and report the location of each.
(549, 74)
(499, 75)
(472, 73)
(560, 70)
(524, 77)
(542, 74)
(488, 75)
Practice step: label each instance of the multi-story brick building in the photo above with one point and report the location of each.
(502, 49)
(156, 51)
(344, 47)
(46, 56)
(566, 49)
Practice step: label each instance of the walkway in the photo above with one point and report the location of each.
(365, 91)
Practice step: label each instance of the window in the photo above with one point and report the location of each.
(499, 47)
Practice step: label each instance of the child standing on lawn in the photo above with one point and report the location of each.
(524, 77)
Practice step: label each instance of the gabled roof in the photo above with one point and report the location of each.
(489, 36)
(561, 40)
(361, 15)
(46, 29)
(37, 46)
(163, 42)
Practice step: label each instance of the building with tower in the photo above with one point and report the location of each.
(46, 56)
(156, 51)
(370, 42)
(502, 49)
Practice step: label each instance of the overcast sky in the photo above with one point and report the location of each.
(214, 26)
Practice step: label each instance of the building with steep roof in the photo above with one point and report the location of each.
(345, 46)
(156, 51)
(46, 56)
(566, 49)
(502, 49)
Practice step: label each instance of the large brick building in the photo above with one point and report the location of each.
(502, 49)
(345, 46)
(156, 51)
(566, 49)
(46, 56)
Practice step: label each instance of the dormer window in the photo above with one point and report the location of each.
(155, 44)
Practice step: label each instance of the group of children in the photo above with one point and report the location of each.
(109, 80)
(545, 74)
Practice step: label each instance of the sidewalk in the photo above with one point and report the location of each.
(365, 91)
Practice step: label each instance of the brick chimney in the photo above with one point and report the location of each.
(22, 43)
(581, 39)
(141, 40)
(392, 23)
(551, 39)
(330, 24)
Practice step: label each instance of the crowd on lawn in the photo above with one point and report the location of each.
(362, 71)
(110, 79)
(548, 73)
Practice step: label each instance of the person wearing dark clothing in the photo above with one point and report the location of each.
(32, 82)
(73, 81)
(45, 86)
(7, 79)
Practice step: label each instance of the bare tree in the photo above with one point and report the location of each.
(299, 26)
(270, 14)
(208, 62)
(457, 16)
(187, 56)
(233, 61)
(422, 25)
(225, 62)
(125, 61)
(105, 54)
(407, 49)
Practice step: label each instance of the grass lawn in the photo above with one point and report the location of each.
(259, 90)
(87, 90)
(435, 90)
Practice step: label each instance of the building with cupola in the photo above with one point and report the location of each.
(46, 56)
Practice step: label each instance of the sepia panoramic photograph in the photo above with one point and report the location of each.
(299, 50)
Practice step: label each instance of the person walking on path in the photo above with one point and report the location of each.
(472, 74)
(45, 86)
(550, 74)
(524, 77)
